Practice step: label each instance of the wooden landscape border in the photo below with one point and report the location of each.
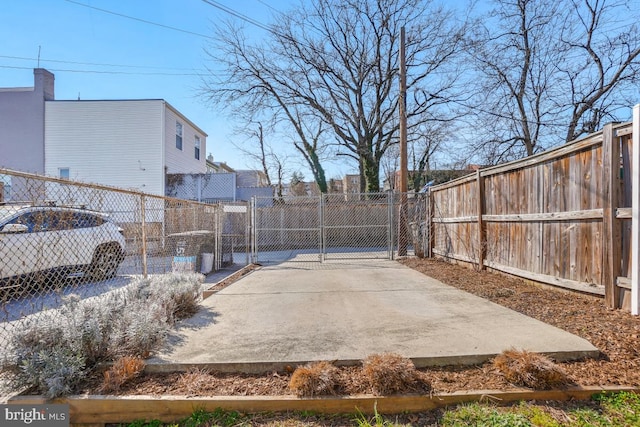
(92, 410)
(226, 281)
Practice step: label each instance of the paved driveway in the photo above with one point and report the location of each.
(345, 310)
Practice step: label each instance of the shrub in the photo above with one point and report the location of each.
(123, 370)
(314, 379)
(390, 373)
(180, 295)
(55, 371)
(530, 370)
(55, 354)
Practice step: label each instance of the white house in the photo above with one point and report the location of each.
(130, 144)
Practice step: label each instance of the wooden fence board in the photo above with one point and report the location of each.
(554, 215)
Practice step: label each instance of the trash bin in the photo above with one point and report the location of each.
(187, 248)
(207, 263)
(183, 264)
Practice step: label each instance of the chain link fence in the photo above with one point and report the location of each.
(334, 226)
(59, 237)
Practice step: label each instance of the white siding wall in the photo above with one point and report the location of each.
(183, 161)
(115, 143)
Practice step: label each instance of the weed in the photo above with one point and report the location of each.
(483, 416)
(531, 370)
(621, 408)
(314, 379)
(537, 416)
(143, 423)
(227, 418)
(586, 417)
(377, 421)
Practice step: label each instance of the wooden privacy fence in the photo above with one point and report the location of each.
(563, 217)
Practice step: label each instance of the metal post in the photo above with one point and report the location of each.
(247, 230)
(143, 224)
(254, 232)
(390, 223)
(199, 187)
(323, 236)
(402, 220)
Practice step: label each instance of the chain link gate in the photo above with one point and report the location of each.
(326, 227)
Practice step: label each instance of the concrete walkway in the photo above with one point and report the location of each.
(343, 311)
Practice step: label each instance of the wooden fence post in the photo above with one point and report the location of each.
(635, 214)
(482, 228)
(611, 227)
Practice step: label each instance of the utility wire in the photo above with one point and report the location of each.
(98, 64)
(239, 15)
(107, 72)
(140, 19)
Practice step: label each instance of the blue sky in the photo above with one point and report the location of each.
(149, 62)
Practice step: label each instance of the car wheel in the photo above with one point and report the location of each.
(105, 262)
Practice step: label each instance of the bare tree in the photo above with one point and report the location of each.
(603, 62)
(515, 62)
(422, 151)
(549, 71)
(271, 161)
(329, 68)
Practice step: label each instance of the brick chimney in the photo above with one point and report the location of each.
(44, 82)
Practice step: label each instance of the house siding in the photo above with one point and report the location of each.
(183, 161)
(116, 143)
(22, 123)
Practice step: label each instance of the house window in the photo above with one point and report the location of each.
(63, 173)
(179, 135)
(197, 147)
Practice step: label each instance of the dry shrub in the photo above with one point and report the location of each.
(530, 370)
(124, 369)
(390, 373)
(314, 379)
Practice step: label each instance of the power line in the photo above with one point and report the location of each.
(269, 6)
(239, 15)
(97, 63)
(122, 15)
(106, 72)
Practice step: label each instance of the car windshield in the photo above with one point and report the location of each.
(7, 211)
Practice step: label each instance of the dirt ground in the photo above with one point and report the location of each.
(614, 332)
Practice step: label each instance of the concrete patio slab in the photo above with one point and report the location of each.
(345, 310)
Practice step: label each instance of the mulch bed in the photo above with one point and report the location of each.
(614, 332)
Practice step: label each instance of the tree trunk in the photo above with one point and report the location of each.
(371, 171)
(318, 172)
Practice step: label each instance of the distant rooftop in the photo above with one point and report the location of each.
(16, 89)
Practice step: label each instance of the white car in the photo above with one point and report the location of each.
(48, 239)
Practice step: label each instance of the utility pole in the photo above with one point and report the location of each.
(404, 175)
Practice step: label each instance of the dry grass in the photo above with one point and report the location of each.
(315, 379)
(195, 380)
(391, 373)
(124, 369)
(531, 370)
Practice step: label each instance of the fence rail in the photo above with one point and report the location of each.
(563, 217)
